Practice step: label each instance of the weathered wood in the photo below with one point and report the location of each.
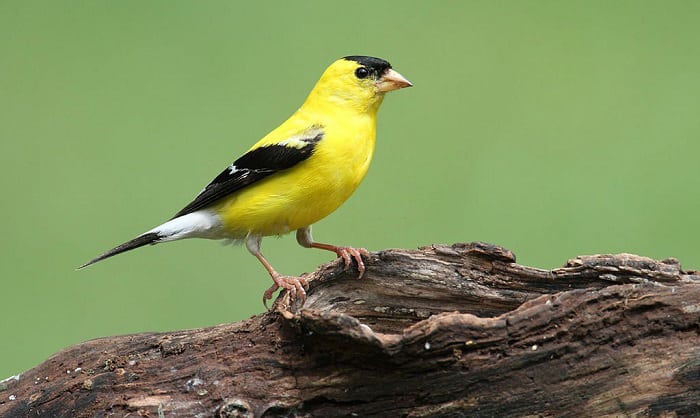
(457, 330)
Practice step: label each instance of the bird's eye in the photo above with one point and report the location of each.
(361, 72)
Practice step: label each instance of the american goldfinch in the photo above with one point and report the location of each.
(294, 176)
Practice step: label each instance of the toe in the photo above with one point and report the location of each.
(344, 254)
(357, 254)
(268, 294)
(360, 264)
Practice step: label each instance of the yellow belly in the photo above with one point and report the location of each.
(306, 193)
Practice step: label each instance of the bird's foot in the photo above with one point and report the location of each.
(348, 254)
(294, 285)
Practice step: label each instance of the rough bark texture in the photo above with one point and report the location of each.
(457, 330)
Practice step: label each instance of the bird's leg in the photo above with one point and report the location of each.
(295, 285)
(348, 254)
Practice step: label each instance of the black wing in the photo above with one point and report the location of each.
(254, 166)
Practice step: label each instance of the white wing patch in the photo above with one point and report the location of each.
(232, 169)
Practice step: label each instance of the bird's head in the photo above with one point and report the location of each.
(357, 82)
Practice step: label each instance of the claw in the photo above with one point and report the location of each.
(344, 253)
(294, 285)
(268, 294)
(349, 253)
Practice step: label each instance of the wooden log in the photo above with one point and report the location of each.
(441, 331)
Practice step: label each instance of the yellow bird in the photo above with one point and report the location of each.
(295, 176)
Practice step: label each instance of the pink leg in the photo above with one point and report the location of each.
(348, 254)
(294, 285)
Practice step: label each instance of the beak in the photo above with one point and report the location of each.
(392, 80)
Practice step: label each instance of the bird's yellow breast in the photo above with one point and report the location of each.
(311, 190)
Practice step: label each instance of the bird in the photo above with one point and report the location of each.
(294, 176)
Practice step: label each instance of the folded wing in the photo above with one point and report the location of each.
(255, 165)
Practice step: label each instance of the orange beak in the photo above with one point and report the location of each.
(392, 80)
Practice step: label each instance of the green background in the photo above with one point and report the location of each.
(551, 128)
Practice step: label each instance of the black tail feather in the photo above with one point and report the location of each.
(140, 241)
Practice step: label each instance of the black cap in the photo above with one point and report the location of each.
(377, 66)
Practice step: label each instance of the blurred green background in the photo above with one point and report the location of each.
(551, 128)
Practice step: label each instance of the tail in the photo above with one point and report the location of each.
(200, 224)
(140, 241)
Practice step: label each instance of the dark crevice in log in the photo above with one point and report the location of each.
(458, 330)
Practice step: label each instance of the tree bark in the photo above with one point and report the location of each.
(441, 331)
